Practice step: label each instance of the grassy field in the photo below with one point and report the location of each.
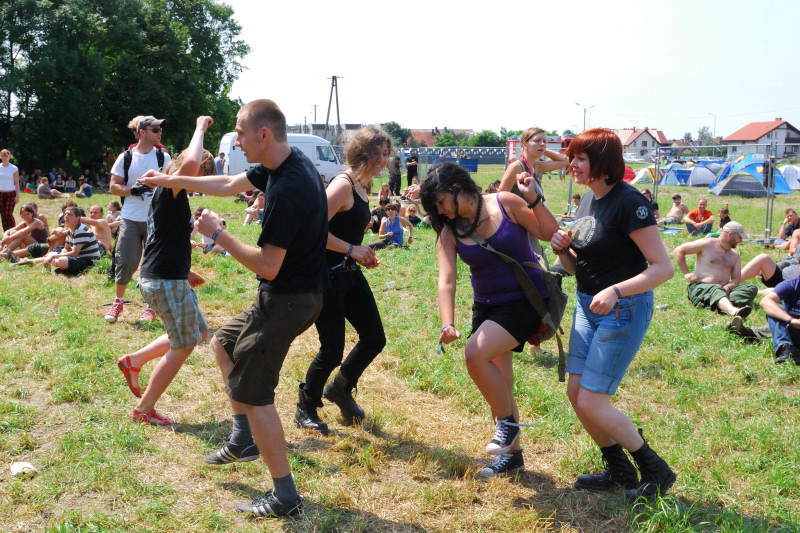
(718, 409)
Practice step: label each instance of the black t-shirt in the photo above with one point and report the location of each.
(654, 206)
(412, 170)
(601, 237)
(295, 219)
(168, 250)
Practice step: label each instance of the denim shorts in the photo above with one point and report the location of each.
(601, 347)
(175, 303)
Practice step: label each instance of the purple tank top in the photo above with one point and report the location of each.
(493, 280)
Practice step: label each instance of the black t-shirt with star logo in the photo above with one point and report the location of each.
(601, 237)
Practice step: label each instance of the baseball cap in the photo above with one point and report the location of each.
(150, 121)
(676, 196)
(735, 227)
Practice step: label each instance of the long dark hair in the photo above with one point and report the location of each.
(445, 178)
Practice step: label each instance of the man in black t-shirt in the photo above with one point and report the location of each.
(289, 260)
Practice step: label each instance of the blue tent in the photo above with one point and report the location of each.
(676, 176)
(752, 164)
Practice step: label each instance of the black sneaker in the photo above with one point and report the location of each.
(505, 436)
(505, 465)
(783, 353)
(270, 505)
(232, 453)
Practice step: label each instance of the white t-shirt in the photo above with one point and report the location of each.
(7, 177)
(135, 208)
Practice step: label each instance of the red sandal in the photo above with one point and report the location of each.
(124, 364)
(152, 418)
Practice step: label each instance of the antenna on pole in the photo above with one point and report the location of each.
(334, 87)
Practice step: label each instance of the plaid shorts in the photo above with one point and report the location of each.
(175, 303)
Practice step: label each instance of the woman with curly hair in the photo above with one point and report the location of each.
(349, 296)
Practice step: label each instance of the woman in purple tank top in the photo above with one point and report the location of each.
(502, 317)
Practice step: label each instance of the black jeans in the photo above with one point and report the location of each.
(349, 297)
(394, 184)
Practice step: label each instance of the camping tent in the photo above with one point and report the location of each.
(676, 176)
(752, 164)
(740, 184)
(700, 176)
(715, 167)
(630, 175)
(644, 175)
(791, 173)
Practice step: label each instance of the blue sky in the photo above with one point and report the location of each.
(665, 65)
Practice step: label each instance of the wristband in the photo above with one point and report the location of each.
(616, 289)
(534, 203)
(214, 237)
(349, 251)
(447, 326)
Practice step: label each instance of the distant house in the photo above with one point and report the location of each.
(640, 141)
(778, 135)
(427, 137)
(679, 147)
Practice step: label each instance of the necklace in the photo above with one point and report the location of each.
(474, 224)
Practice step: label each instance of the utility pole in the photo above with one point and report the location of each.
(714, 140)
(334, 87)
(315, 111)
(585, 108)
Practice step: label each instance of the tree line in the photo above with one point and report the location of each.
(74, 72)
(484, 138)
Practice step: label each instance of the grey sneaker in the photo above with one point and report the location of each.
(231, 453)
(270, 505)
(505, 465)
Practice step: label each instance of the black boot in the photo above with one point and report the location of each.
(657, 476)
(618, 471)
(306, 414)
(340, 392)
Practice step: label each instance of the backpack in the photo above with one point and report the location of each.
(126, 165)
(550, 312)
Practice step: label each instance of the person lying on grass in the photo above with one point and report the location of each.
(166, 283)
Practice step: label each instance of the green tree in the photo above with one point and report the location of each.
(400, 135)
(687, 136)
(82, 69)
(486, 138)
(567, 134)
(704, 135)
(505, 134)
(448, 138)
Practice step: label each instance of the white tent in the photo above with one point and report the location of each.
(791, 173)
(700, 176)
(644, 175)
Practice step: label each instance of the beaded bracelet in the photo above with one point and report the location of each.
(446, 326)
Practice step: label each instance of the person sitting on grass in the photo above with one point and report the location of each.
(166, 283)
(379, 213)
(699, 221)
(254, 210)
(784, 322)
(724, 216)
(205, 242)
(716, 280)
(770, 272)
(676, 213)
(37, 251)
(81, 250)
(113, 216)
(42, 218)
(29, 231)
(411, 215)
(45, 192)
(84, 189)
(100, 227)
(391, 230)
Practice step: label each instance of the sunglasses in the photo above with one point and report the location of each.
(155, 129)
(390, 208)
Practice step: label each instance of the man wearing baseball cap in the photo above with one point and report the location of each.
(129, 167)
(676, 212)
(716, 280)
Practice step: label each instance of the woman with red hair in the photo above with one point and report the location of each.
(616, 254)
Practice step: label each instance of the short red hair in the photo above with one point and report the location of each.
(604, 150)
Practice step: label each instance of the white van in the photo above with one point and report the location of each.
(317, 149)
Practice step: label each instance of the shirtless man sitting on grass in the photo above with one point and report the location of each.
(100, 227)
(716, 280)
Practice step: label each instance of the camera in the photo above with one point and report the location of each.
(139, 189)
